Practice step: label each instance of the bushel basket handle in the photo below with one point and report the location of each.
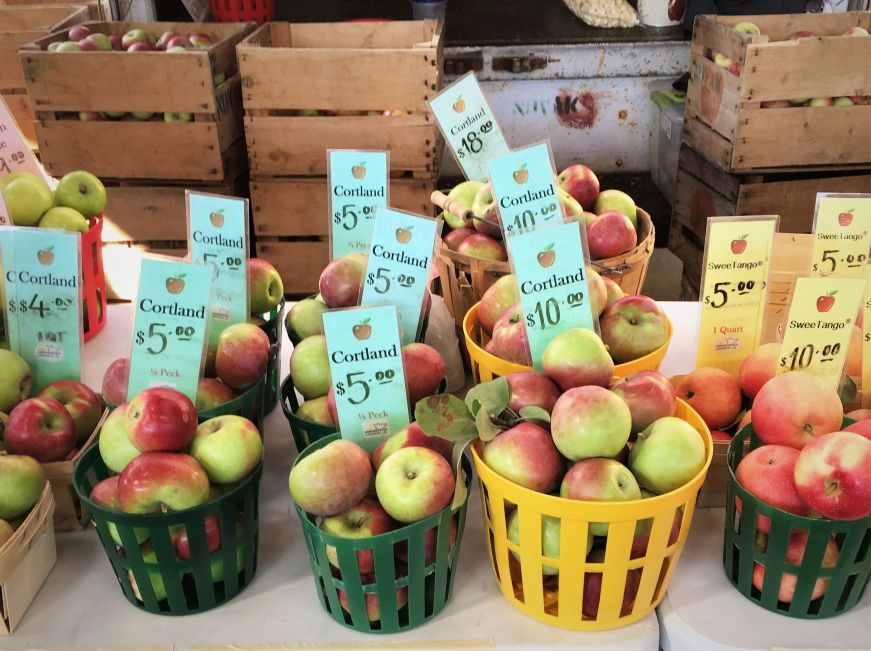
(447, 204)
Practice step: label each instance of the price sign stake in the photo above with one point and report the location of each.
(866, 340)
(524, 187)
(551, 275)
(733, 297)
(359, 185)
(169, 328)
(400, 256)
(467, 123)
(842, 234)
(820, 324)
(366, 369)
(218, 237)
(42, 297)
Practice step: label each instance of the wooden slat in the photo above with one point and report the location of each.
(375, 35)
(299, 263)
(719, 110)
(19, 107)
(779, 27)
(705, 140)
(726, 184)
(694, 202)
(691, 253)
(711, 34)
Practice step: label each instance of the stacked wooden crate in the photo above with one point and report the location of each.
(307, 88)
(744, 154)
(146, 164)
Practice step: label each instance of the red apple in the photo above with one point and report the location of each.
(598, 292)
(363, 520)
(430, 544)
(414, 483)
(610, 234)
(833, 475)
(408, 437)
(510, 341)
(600, 480)
(590, 421)
(176, 42)
(181, 542)
(757, 368)
(115, 381)
(530, 389)
(84, 406)
(859, 414)
(242, 355)
(78, 32)
(713, 393)
(577, 357)
(424, 370)
(526, 455)
(581, 183)
(341, 281)
(452, 240)
(633, 327)
(649, 395)
(157, 481)
(744, 421)
(487, 220)
(498, 299)
(212, 393)
(373, 607)
(164, 38)
(200, 40)
(41, 428)
(862, 427)
(332, 479)
(265, 289)
(776, 103)
(593, 588)
(483, 246)
(720, 435)
(795, 556)
(160, 420)
(767, 473)
(117, 42)
(141, 47)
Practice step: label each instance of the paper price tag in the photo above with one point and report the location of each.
(524, 188)
(4, 213)
(169, 327)
(467, 123)
(42, 298)
(551, 275)
(819, 325)
(15, 155)
(367, 374)
(218, 237)
(359, 185)
(842, 234)
(866, 340)
(400, 256)
(733, 297)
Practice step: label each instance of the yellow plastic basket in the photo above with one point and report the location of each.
(486, 367)
(558, 599)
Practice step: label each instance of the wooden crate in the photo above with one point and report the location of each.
(311, 87)
(725, 120)
(97, 9)
(19, 107)
(299, 261)
(60, 85)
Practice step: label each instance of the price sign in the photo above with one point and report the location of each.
(820, 324)
(169, 328)
(15, 155)
(467, 123)
(842, 234)
(551, 275)
(42, 297)
(400, 256)
(366, 369)
(218, 237)
(359, 185)
(866, 340)
(524, 187)
(4, 213)
(733, 297)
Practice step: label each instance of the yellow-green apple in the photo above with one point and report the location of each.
(68, 46)
(27, 199)
(843, 101)
(105, 494)
(572, 210)
(550, 540)
(160, 419)
(530, 389)
(795, 550)
(486, 211)
(862, 427)
(501, 296)
(821, 101)
(98, 42)
(181, 542)
(747, 28)
(265, 289)
(598, 292)
(155, 578)
(200, 40)
(158, 481)
(510, 340)
(163, 39)
(21, 482)
(310, 367)
(768, 474)
(610, 234)
(633, 327)
(452, 239)
(599, 480)
(134, 36)
(526, 455)
(713, 393)
(833, 475)
(341, 281)
(414, 483)
(464, 194)
(115, 379)
(15, 381)
(424, 370)
(66, 219)
(332, 479)
(590, 421)
(212, 393)
(363, 520)
(581, 183)
(484, 247)
(41, 428)
(82, 191)
(649, 396)
(409, 437)
(84, 406)
(6, 532)
(577, 357)
(616, 200)
(316, 410)
(116, 450)
(305, 319)
(593, 587)
(373, 607)
(799, 101)
(666, 455)
(794, 407)
(757, 368)
(853, 365)
(228, 448)
(242, 355)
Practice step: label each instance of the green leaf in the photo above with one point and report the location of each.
(180, 276)
(445, 416)
(487, 430)
(365, 321)
(532, 412)
(492, 396)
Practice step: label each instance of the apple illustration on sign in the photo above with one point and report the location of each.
(403, 235)
(740, 245)
(846, 218)
(45, 256)
(362, 330)
(358, 171)
(825, 303)
(460, 105)
(175, 284)
(547, 257)
(521, 176)
(217, 218)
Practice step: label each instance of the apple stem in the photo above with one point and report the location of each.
(832, 487)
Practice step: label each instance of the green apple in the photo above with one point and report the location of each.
(153, 570)
(667, 454)
(82, 191)
(217, 563)
(600, 480)
(310, 367)
(331, 479)
(577, 357)
(14, 176)
(316, 410)
(27, 199)
(363, 520)
(115, 446)
(69, 46)
(304, 319)
(414, 483)
(619, 201)
(464, 194)
(747, 28)
(228, 448)
(177, 117)
(6, 532)
(67, 219)
(590, 421)
(265, 289)
(142, 115)
(15, 381)
(550, 535)
(21, 482)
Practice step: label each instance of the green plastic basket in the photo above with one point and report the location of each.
(426, 585)
(248, 404)
(847, 579)
(171, 586)
(272, 327)
(305, 432)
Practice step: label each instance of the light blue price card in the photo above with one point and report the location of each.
(358, 185)
(525, 189)
(43, 301)
(169, 327)
(467, 123)
(218, 237)
(366, 368)
(400, 256)
(552, 279)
